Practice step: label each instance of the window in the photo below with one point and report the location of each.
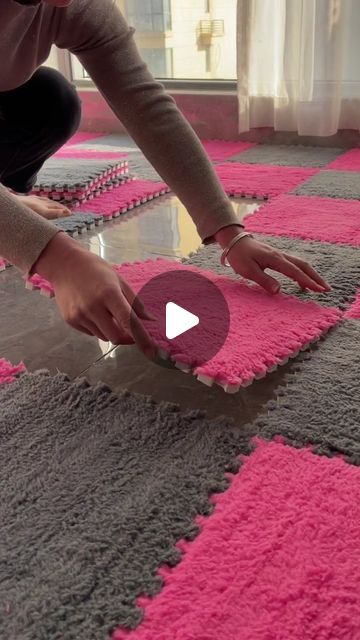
(160, 61)
(208, 60)
(201, 34)
(149, 15)
(182, 39)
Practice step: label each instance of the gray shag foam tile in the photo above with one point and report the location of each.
(69, 172)
(121, 142)
(70, 226)
(339, 265)
(288, 155)
(138, 164)
(95, 490)
(142, 168)
(332, 184)
(89, 218)
(78, 222)
(320, 403)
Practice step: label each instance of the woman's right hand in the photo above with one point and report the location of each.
(92, 297)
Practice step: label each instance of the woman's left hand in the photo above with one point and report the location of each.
(250, 258)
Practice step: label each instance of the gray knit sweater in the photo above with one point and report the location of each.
(97, 33)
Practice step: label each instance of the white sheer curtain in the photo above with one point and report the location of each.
(299, 65)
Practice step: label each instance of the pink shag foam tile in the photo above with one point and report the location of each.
(219, 150)
(88, 154)
(39, 283)
(125, 197)
(8, 371)
(353, 312)
(310, 218)
(261, 181)
(277, 559)
(264, 332)
(349, 161)
(3, 264)
(82, 136)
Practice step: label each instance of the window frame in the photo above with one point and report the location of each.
(165, 15)
(190, 86)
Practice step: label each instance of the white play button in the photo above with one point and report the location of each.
(178, 320)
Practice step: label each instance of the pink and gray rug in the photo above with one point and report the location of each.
(128, 519)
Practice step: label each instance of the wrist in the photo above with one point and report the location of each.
(226, 234)
(58, 253)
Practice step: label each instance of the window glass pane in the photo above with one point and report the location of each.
(157, 22)
(159, 60)
(200, 34)
(157, 6)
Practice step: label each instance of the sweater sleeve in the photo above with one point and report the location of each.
(97, 33)
(23, 234)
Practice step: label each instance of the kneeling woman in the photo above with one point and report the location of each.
(39, 112)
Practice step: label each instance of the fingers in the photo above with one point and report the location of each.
(126, 317)
(115, 332)
(66, 211)
(92, 330)
(105, 312)
(139, 332)
(142, 338)
(52, 213)
(291, 270)
(308, 269)
(53, 206)
(255, 257)
(135, 302)
(58, 213)
(263, 279)
(59, 210)
(83, 330)
(107, 329)
(100, 325)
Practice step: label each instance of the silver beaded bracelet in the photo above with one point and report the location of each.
(235, 240)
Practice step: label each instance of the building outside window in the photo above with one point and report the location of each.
(149, 15)
(160, 61)
(182, 39)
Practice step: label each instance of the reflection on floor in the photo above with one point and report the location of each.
(33, 331)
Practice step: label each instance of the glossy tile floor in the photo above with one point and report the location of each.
(33, 331)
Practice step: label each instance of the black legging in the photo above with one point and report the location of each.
(36, 119)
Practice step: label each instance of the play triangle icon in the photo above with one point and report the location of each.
(178, 320)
